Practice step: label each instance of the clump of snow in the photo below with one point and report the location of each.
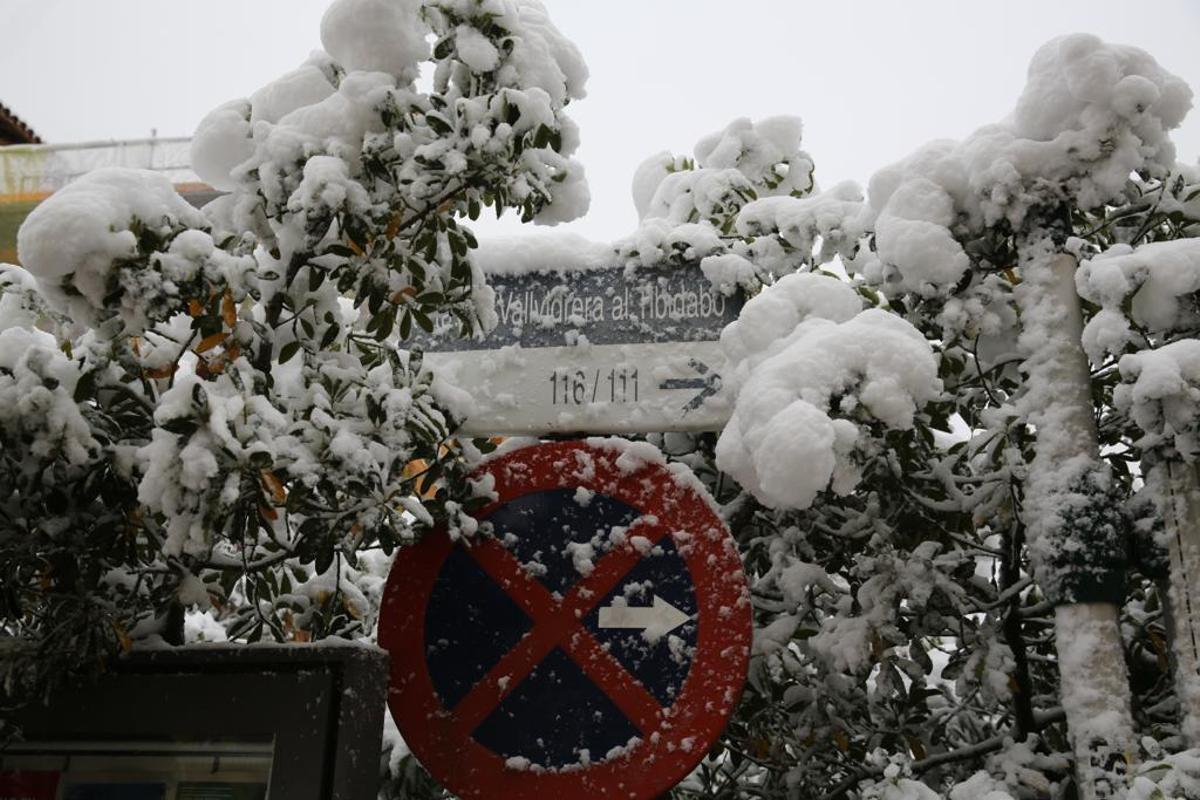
(1162, 394)
(766, 152)
(203, 627)
(630, 456)
(571, 199)
(1154, 279)
(82, 227)
(1090, 115)
(475, 50)
(685, 205)
(327, 188)
(377, 36)
(1174, 776)
(912, 232)
(729, 272)
(836, 216)
(518, 763)
(771, 316)
(1079, 89)
(221, 142)
(649, 175)
(341, 119)
(660, 241)
(83, 246)
(689, 195)
(786, 441)
(897, 784)
(541, 56)
(306, 85)
(37, 386)
(20, 302)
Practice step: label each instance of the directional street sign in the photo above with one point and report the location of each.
(592, 644)
(601, 351)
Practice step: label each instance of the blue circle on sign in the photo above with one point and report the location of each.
(557, 716)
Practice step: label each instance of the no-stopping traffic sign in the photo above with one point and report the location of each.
(593, 645)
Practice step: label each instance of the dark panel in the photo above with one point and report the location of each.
(322, 707)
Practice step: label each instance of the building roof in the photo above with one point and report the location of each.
(13, 130)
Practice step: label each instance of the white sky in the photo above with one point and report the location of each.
(872, 80)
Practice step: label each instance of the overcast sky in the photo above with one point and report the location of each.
(872, 80)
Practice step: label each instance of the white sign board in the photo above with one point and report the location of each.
(594, 351)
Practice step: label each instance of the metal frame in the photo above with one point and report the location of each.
(321, 706)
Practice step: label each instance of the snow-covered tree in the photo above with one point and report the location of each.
(966, 417)
(212, 410)
(956, 559)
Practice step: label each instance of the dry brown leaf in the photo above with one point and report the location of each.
(228, 309)
(160, 373)
(273, 485)
(122, 637)
(209, 342)
(394, 225)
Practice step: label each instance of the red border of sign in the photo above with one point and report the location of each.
(707, 698)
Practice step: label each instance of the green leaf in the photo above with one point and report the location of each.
(85, 389)
(183, 426)
(440, 126)
(324, 557)
(289, 350)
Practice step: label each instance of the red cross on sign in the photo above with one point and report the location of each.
(593, 644)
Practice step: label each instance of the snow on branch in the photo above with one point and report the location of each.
(813, 370)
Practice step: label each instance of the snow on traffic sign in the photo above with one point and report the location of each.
(593, 644)
(597, 350)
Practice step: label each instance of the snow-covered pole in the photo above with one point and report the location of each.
(1074, 542)
(1179, 486)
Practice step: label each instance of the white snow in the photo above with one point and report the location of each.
(475, 50)
(647, 178)
(304, 86)
(770, 317)
(221, 142)
(1156, 279)
(1162, 393)
(836, 216)
(541, 56)
(766, 152)
(377, 36)
(1090, 115)
(786, 441)
(71, 240)
(37, 385)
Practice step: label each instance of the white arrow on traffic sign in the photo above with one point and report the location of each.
(657, 620)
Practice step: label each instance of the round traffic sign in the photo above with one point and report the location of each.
(593, 643)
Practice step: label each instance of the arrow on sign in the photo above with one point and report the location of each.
(657, 620)
(708, 385)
